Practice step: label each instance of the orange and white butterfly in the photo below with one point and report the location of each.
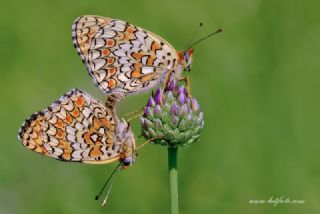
(78, 128)
(123, 58)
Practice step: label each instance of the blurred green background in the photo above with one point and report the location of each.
(257, 84)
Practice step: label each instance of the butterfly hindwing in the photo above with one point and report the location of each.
(75, 128)
(121, 57)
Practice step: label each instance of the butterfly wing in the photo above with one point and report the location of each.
(121, 57)
(75, 128)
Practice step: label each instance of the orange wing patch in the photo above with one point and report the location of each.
(60, 134)
(68, 118)
(59, 124)
(151, 60)
(111, 71)
(111, 83)
(110, 60)
(79, 102)
(147, 77)
(75, 113)
(66, 154)
(155, 46)
(95, 151)
(137, 56)
(106, 52)
(136, 73)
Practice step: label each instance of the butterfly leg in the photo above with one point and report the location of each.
(134, 112)
(166, 81)
(148, 141)
(131, 118)
(186, 79)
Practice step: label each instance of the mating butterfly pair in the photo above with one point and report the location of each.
(122, 59)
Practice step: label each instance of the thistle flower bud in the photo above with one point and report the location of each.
(151, 102)
(172, 85)
(175, 121)
(195, 105)
(184, 110)
(147, 111)
(158, 97)
(157, 111)
(182, 90)
(182, 99)
(175, 109)
(157, 124)
(173, 117)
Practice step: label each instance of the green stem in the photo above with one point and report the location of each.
(173, 178)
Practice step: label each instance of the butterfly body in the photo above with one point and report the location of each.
(78, 128)
(123, 58)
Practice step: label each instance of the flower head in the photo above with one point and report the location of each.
(172, 118)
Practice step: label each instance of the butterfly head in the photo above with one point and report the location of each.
(186, 59)
(126, 138)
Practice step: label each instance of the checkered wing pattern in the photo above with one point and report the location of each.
(121, 57)
(74, 128)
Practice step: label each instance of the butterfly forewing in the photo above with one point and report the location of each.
(74, 128)
(120, 57)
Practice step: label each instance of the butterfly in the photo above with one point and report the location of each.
(78, 128)
(123, 58)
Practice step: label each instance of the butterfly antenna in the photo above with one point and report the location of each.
(109, 190)
(106, 198)
(206, 37)
(194, 35)
(104, 186)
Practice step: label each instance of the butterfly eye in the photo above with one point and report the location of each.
(189, 68)
(127, 161)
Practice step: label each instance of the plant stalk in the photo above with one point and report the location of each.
(173, 179)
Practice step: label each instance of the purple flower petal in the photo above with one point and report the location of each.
(175, 109)
(182, 99)
(182, 90)
(147, 111)
(195, 105)
(172, 85)
(159, 96)
(157, 110)
(144, 123)
(151, 102)
(185, 110)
